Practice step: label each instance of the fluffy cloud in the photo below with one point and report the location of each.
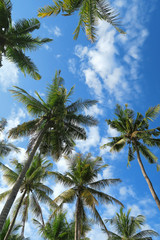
(53, 30)
(93, 138)
(8, 74)
(104, 67)
(72, 65)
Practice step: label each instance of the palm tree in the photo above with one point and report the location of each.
(126, 227)
(33, 190)
(57, 228)
(84, 188)
(56, 125)
(5, 147)
(13, 235)
(89, 14)
(16, 38)
(135, 132)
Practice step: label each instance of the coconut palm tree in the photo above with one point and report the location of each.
(33, 190)
(5, 147)
(13, 235)
(15, 38)
(84, 188)
(126, 227)
(135, 132)
(56, 229)
(56, 125)
(89, 14)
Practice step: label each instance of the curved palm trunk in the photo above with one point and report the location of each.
(15, 216)
(147, 179)
(16, 187)
(77, 234)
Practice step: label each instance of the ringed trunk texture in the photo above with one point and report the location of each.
(16, 187)
(77, 234)
(15, 216)
(147, 179)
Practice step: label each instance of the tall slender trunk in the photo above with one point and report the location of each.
(77, 234)
(15, 216)
(16, 187)
(147, 178)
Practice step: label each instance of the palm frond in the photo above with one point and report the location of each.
(25, 129)
(4, 195)
(26, 25)
(103, 183)
(146, 234)
(152, 112)
(50, 10)
(130, 155)
(147, 153)
(23, 62)
(103, 197)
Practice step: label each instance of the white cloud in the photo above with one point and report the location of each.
(57, 31)
(96, 231)
(16, 117)
(72, 65)
(8, 74)
(105, 68)
(93, 82)
(53, 30)
(46, 46)
(92, 140)
(126, 191)
(108, 172)
(58, 188)
(95, 110)
(62, 165)
(58, 55)
(112, 132)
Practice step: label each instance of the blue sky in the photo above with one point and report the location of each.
(116, 69)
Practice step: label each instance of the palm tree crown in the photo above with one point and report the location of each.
(126, 227)
(14, 235)
(84, 188)
(57, 228)
(135, 132)
(15, 38)
(56, 125)
(33, 190)
(89, 13)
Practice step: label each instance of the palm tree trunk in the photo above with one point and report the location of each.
(147, 178)
(77, 234)
(16, 187)
(15, 216)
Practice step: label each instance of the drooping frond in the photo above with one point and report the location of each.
(23, 62)
(147, 153)
(103, 197)
(130, 155)
(146, 234)
(152, 112)
(103, 183)
(26, 26)
(66, 197)
(25, 129)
